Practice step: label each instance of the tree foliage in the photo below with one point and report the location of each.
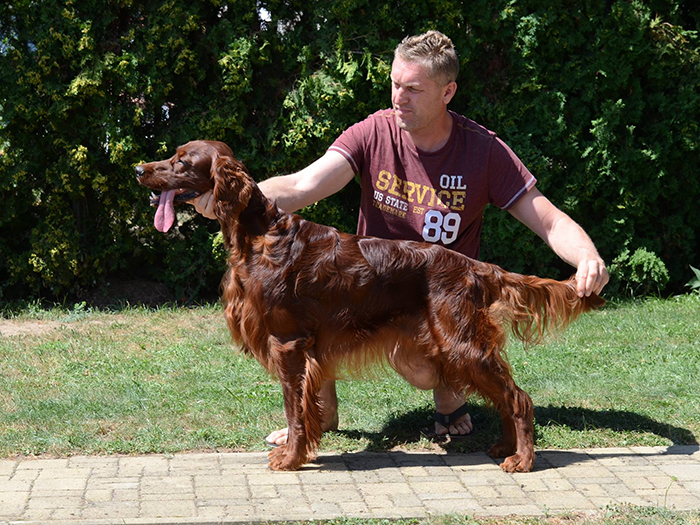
(600, 100)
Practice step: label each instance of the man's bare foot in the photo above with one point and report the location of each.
(279, 437)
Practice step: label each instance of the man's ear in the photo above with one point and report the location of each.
(449, 92)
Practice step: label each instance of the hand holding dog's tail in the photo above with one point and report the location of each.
(535, 307)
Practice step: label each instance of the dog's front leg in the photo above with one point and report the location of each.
(292, 365)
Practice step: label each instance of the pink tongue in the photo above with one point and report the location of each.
(165, 214)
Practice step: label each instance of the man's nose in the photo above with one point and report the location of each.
(399, 95)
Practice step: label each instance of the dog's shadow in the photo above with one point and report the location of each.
(402, 431)
(406, 429)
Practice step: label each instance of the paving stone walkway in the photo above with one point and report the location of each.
(238, 487)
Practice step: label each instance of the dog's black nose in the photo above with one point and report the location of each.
(139, 171)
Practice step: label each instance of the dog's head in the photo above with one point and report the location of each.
(192, 171)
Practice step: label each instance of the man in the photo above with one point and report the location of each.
(427, 174)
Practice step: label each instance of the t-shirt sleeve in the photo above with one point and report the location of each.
(352, 144)
(509, 179)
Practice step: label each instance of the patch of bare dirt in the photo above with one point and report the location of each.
(17, 327)
(34, 328)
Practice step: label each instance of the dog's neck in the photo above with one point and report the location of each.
(242, 222)
(259, 215)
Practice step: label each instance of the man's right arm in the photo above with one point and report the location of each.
(322, 178)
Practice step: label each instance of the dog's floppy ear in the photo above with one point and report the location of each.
(232, 186)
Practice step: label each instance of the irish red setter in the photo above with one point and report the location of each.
(308, 301)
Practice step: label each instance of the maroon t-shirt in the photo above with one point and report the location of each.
(434, 197)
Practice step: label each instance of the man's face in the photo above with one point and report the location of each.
(417, 99)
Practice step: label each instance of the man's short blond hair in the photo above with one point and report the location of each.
(434, 51)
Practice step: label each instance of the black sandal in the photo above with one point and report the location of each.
(446, 420)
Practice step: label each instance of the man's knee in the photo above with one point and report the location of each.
(423, 376)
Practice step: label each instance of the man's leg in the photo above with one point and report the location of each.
(446, 402)
(423, 375)
(329, 414)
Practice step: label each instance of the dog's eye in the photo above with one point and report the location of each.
(184, 163)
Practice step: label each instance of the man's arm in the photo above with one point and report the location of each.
(565, 237)
(326, 176)
(322, 178)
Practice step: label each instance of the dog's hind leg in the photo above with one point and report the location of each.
(477, 363)
(517, 448)
(301, 379)
(495, 382)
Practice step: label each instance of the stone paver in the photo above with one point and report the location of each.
(238, 487)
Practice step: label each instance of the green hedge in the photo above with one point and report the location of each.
(600, 99)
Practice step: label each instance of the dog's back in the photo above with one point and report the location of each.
(355, 293)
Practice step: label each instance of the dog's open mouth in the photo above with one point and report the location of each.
(165, 202)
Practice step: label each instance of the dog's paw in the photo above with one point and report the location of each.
(518, 463)
(502, 449)
(280, 459)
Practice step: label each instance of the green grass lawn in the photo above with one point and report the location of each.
(614, 515)
(166, 380)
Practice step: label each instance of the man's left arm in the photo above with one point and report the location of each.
(565, 237)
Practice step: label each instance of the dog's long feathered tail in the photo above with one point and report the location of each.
(534, 306)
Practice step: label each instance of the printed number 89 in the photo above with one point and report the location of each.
(439, 227)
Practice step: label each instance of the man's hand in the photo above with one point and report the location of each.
(204, 204)
(591, 277)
